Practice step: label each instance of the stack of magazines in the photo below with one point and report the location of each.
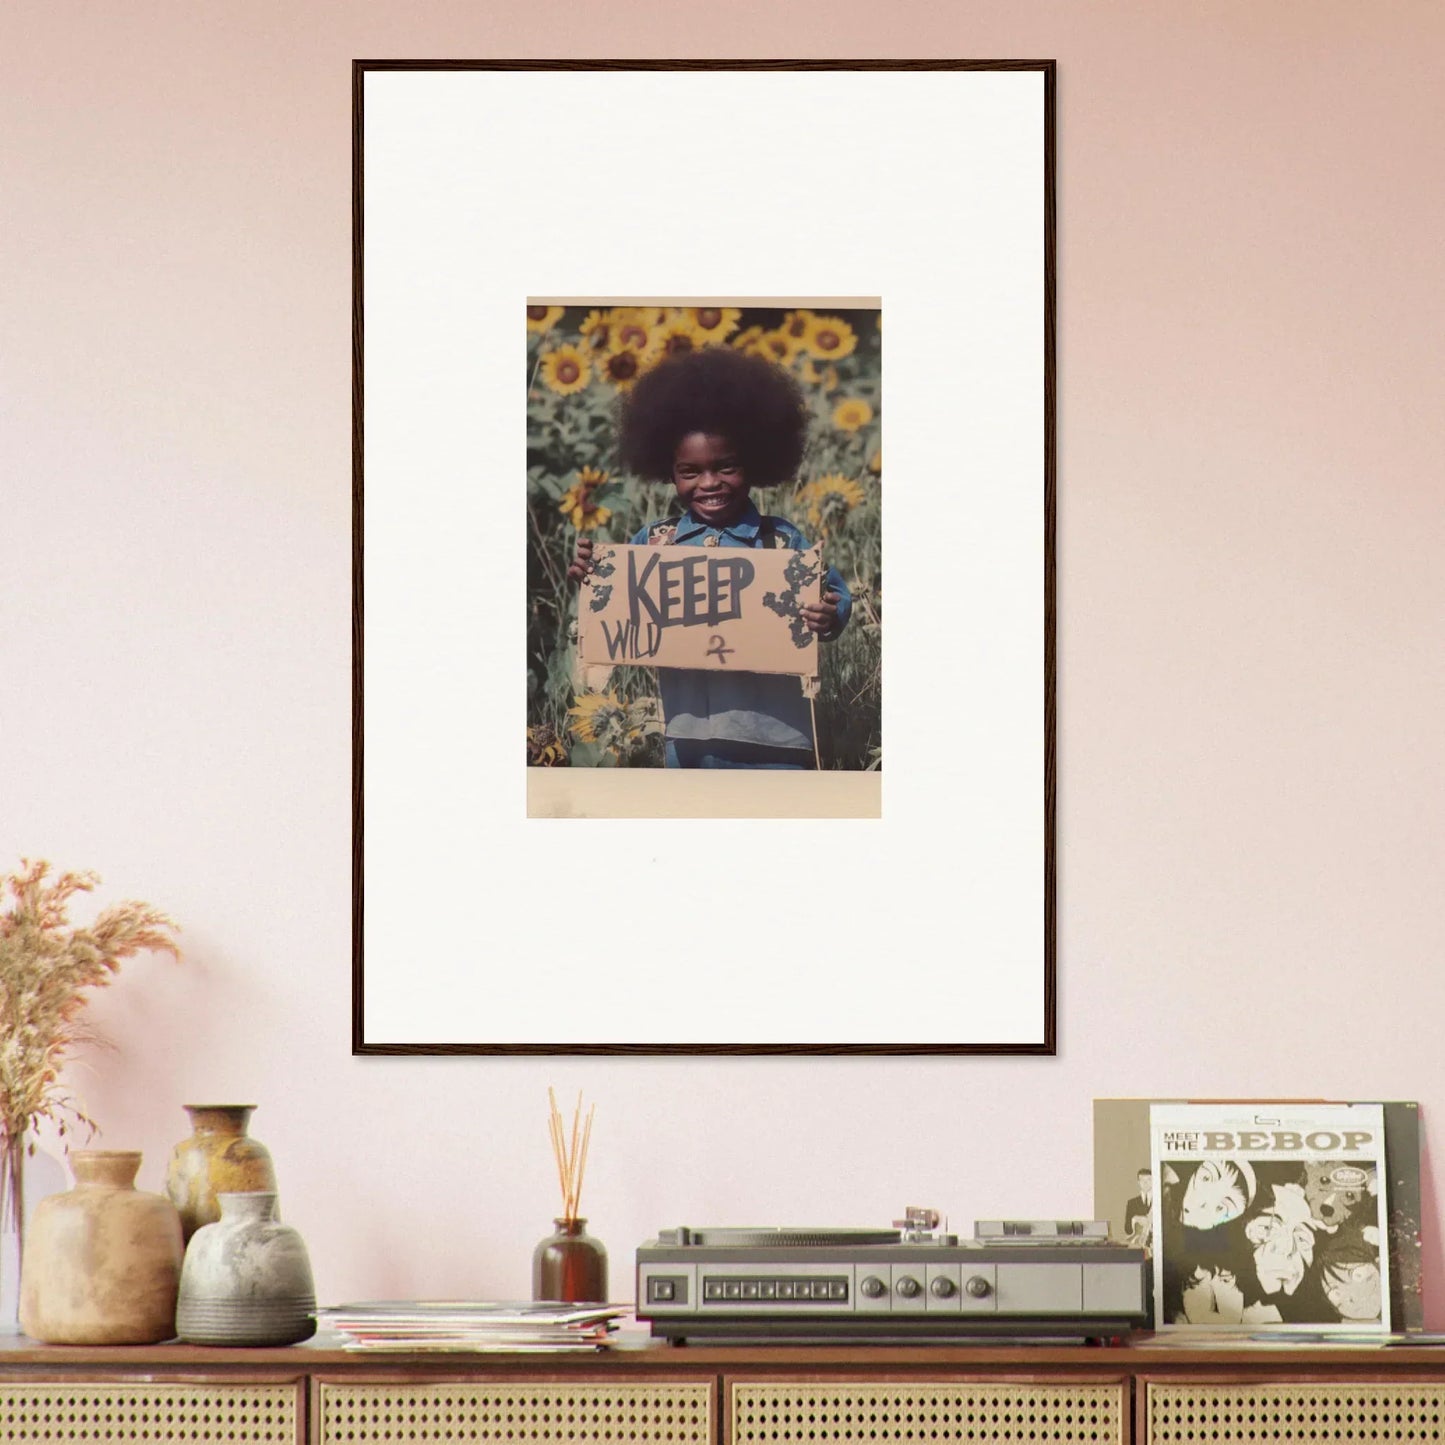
(466, 1325)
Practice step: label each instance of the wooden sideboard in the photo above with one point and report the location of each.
(645, 1393)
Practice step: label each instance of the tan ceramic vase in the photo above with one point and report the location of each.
(102, 1263)
(219, 1158)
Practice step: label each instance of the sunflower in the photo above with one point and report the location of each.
(622, 367)
(544, 748)
(875, 462)
(797, 323)
(603, 718)
(713, 324)
(830, 498)
(599, 717)
(596, 329)
(851, 413)
(566, 369)
(676, 335)
(747, 340)
(578, 504)
(777, 346)
(543, 318)
(829, 338)
(633, 327)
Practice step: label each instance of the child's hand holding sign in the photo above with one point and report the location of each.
(822, 616)
(582, 562)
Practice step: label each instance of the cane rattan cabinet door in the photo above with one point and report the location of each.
(147, 1413)
(909, 1412)
(472, 1412)
(1362, 1412)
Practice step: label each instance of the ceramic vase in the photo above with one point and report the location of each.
(102, 1263)
(570, 1265)
(247, 1279)
(219, 1157)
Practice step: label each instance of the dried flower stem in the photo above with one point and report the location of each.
(46, 969)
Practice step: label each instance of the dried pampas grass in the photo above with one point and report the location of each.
(46, 967)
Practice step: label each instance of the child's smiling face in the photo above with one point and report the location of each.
(709, 478)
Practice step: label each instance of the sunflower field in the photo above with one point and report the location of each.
(580, 362)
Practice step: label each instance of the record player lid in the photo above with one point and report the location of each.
(784, 1237)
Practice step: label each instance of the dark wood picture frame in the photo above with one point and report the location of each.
(1046, 1041)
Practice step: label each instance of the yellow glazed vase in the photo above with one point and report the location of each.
(219, 1158)
(103, 1262)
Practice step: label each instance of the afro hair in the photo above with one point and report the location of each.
(751, 401)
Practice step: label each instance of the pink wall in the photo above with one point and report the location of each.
(1251, 678)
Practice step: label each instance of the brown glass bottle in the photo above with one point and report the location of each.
(570, 1265)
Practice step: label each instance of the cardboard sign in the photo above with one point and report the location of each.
(728, 609)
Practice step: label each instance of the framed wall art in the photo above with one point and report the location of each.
(627, 337)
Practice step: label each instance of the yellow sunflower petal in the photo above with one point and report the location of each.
(713, 324)
(675, 337)
(578, 503)
(830, 498)
(851, 413)
(566, 369)
(796, 323)
(591, 713)
(596, 329)
(829, 338)
(632, 328)
(622, 366)
(778, 345)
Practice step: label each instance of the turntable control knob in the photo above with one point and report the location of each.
(908, 1287)
(978, 1286)
(942, 1287)
(873, 1287)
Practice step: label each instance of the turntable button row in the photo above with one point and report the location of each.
(796, 1290)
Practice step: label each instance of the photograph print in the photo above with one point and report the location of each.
(704, 568)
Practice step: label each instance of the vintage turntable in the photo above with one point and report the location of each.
(1056, 1279)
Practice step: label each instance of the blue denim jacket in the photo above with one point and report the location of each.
(741, 707)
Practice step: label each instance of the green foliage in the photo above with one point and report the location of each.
(574, 488)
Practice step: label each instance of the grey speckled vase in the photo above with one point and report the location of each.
(246, 1279)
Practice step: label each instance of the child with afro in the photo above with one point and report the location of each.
(716, 423)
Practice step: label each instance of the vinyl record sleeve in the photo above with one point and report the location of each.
(1270, 1217)
(1121, 1159)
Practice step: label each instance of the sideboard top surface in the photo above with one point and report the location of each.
(325, 1356)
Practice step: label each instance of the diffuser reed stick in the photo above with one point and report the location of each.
(570, 1151)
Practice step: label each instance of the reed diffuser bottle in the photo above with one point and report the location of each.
(570, 1265)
